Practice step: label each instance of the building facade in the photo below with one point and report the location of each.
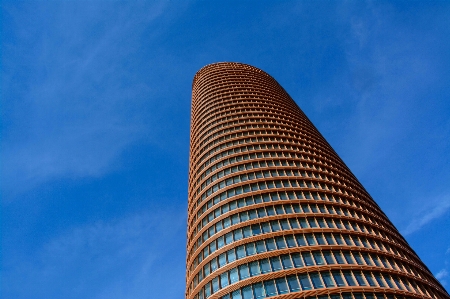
(273, 210)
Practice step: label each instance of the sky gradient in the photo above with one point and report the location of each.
(95, 114)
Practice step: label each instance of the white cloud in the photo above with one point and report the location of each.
(127, 258)
(427, 214)
(442, 274)
(75, 107)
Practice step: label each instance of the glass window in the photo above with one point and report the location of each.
(247, 292)
(207, 290)
(270, 244)
(262, 212)
(215, 284)
(279, 209)
(231, 255)
(212, 246)
(222, 259)
(326, 276)
(308, 258)
(356, 241)
(300, 240)
(338, 239)
(303, 223)
(243, 271)
(234, 277)
(367, 259)
(206, 269)
(258, 290)
(383, 260)
(219, 226)
(280, 242)
(257, 199)
(290, 241)
(310, 238)
(293, 283)
(260, 246)
(349, 278)
(224, 279)
(369, 279)
(247, 231)
(358, 258)
(252, 214)
(328, 257)
(330, 223)
(305, 208)
(254, 268)
(236, 294)
(265, 227)
(286, 261)
(275, 262)
(359, 278)
(388, 281)
(406, 284)
(318, 258)
(220, 242)
(348, 240)
(338, 278)
(214, 265)
(312, 222)
(256, 230)
(304, 281)
(284, 224)
(282, 285)
(321, 223)
(297, 260)
(269, 287)
(294, 224)
(288, 209)
(320, 239)
(358, 296)
(375, 260)
(329, 239)
(250, 248)
(265, 266)
(347, 296)
(379, 280)
(317, 282)
(238, 234)
(275, 225)
(240, 251)
(348, 257)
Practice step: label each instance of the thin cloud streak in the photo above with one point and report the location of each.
(69, 115)
(441, 207)
(115, 259)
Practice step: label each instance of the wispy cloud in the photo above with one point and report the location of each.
(132, 257)
(71, 99)
(442, 274)
(437, 209)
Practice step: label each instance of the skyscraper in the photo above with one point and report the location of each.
(274, 211)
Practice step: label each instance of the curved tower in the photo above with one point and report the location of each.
(273, 210)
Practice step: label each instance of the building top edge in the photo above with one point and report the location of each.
(237, 65)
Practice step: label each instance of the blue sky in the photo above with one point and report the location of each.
(95, 113)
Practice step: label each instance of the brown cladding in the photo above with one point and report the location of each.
(274, 211)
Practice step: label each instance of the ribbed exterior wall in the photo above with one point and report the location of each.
(274, 211)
